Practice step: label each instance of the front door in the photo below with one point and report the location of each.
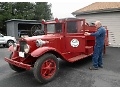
(75, 43)
(75, 40)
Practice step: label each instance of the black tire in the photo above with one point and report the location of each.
(4, 45)
(9, 43)
(15, 68)
(48, 59)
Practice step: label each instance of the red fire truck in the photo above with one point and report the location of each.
(64, 38)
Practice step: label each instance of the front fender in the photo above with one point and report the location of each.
(42, 50)
(11, 48)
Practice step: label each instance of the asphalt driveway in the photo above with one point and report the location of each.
(70, 74)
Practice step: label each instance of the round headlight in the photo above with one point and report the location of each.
(26, 48)
(14, 46)
(39, 43)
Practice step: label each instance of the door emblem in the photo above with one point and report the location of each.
(74, 43)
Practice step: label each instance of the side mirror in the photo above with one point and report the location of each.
(1, 35)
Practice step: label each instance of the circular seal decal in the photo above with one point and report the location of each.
(74, 43)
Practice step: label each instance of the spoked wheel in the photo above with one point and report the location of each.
(46, 68)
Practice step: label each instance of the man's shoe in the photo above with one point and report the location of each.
(101, 66)
(93, 68)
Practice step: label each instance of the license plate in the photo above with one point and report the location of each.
(21, 54)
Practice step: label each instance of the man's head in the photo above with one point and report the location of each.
(98, 24)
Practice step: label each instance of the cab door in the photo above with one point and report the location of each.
(75, 40)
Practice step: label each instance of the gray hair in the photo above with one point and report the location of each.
(98, 23)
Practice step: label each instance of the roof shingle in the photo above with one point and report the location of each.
(99, 6)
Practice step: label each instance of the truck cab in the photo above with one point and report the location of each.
(64, 38)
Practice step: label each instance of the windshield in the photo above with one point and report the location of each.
(54, 28)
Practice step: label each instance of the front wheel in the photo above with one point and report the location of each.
(15, 68)
(46, 68)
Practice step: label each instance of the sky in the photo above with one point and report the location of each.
(64, 8)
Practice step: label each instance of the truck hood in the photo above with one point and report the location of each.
(43, 37)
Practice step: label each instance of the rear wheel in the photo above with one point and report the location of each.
(15, 68)
(46, 68)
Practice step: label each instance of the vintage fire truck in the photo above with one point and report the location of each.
(64, 38)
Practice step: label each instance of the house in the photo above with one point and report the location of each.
(18, 27)
(106, 12)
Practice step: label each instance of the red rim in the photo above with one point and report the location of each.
(48, 69)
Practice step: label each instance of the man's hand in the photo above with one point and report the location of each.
(87, 34)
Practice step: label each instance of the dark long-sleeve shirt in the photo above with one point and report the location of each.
(100, 36)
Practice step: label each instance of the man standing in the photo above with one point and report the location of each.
(99, 44)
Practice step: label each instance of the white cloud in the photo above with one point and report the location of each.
(64, 9)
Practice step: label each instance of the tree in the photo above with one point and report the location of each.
(23, 10)
(43, 11)
(5, 14)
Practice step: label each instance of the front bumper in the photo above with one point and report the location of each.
(18, 64)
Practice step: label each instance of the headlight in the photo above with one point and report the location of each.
(14, 46)
(26, 48)
(40, 43)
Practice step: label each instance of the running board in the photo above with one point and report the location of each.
(78, 57)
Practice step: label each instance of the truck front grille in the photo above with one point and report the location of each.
(22, 43)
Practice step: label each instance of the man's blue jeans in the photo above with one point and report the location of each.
(97, 56)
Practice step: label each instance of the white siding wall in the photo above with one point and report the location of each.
(112, 21)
